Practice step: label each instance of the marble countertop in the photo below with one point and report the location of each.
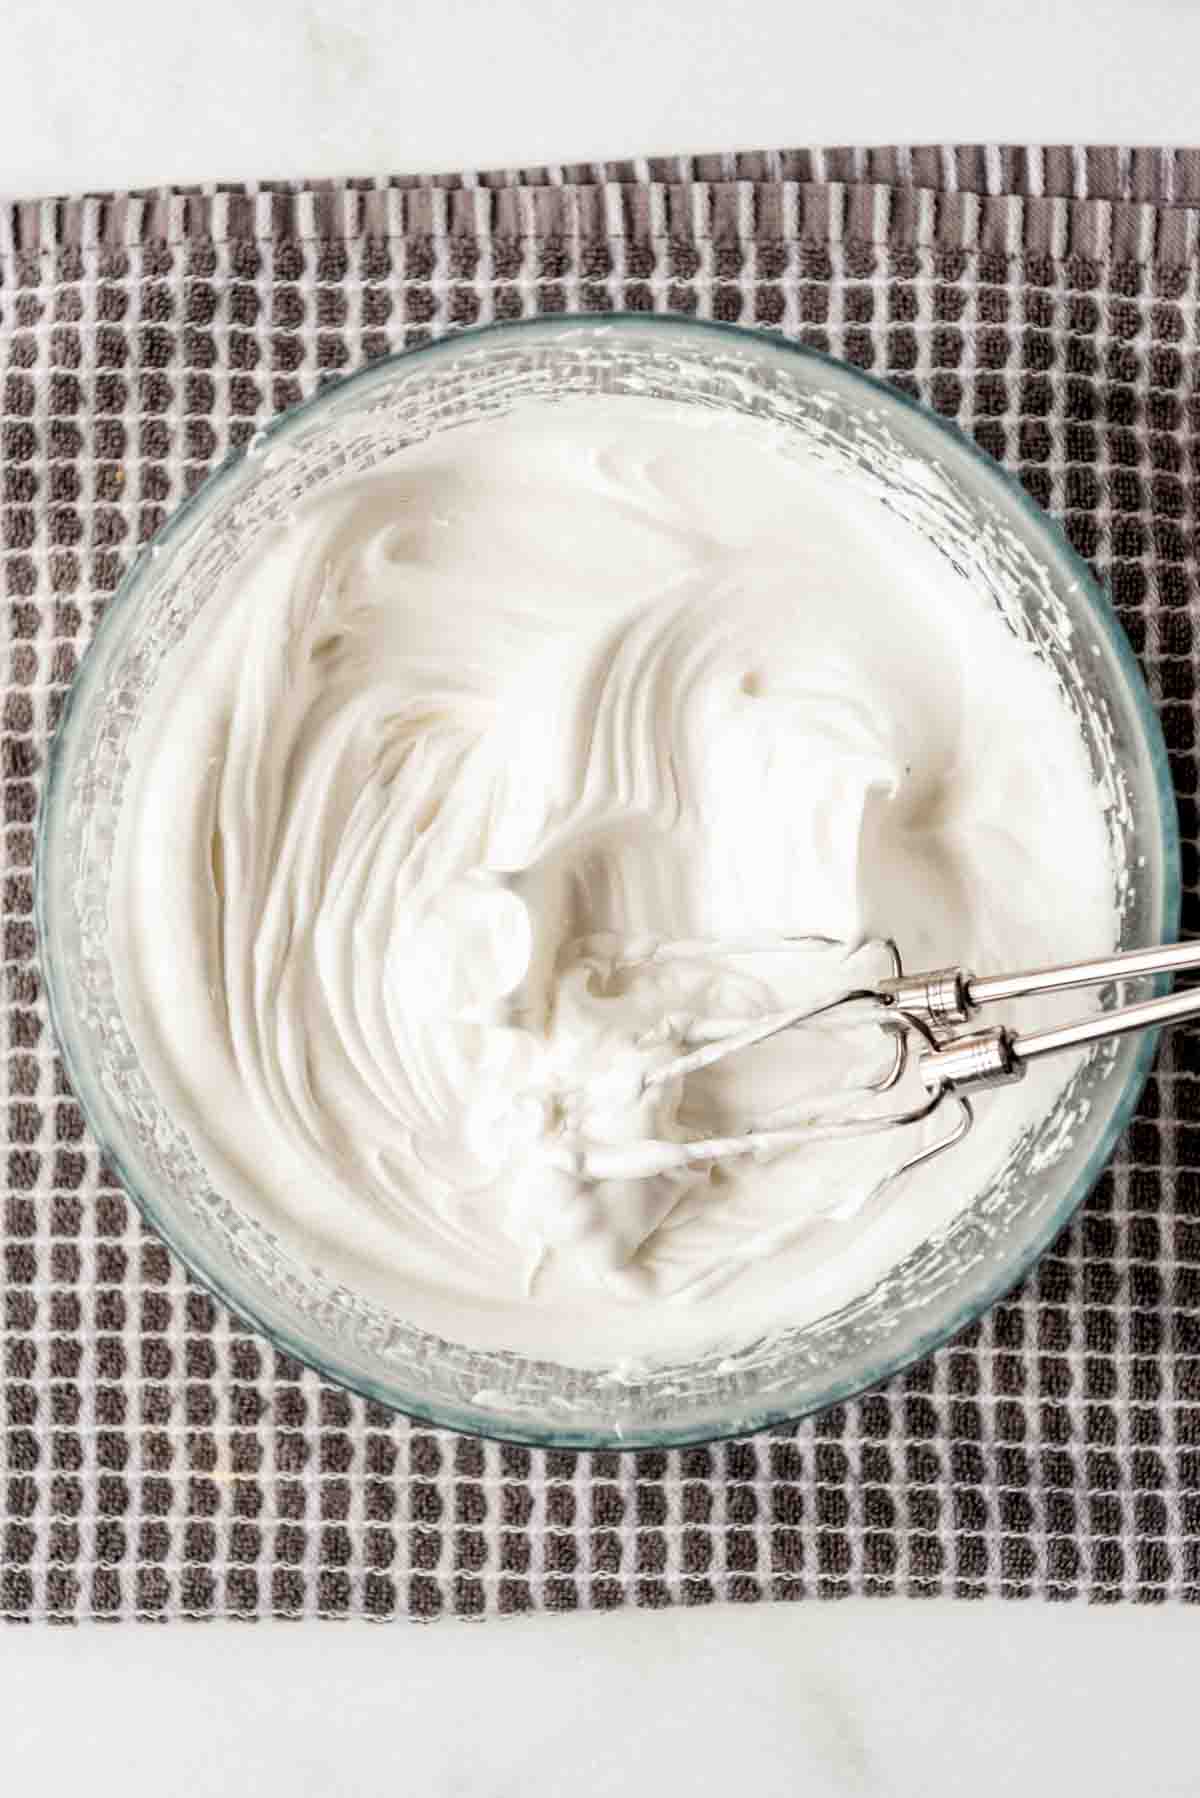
(863, 1698)
(882, 1698)
(135, 93)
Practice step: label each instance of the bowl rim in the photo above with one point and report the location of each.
(466, 1418)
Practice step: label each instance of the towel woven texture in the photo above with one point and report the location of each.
(157, 1458)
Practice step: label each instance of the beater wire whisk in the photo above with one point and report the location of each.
(920, 1013)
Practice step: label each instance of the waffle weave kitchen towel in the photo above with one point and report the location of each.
(157, 1459)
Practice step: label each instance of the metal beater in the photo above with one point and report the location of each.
(913, 1009)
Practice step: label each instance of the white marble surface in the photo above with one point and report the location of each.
(867, 1698)
(137, 92)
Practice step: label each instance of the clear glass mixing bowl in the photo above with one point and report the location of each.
(979, 519)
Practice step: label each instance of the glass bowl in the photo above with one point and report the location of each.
(978, 518)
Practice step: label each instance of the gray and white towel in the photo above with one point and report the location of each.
(158, 1459)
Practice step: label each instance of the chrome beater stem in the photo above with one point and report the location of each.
(928, 1006)
(998, 1056)
(948, 996)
